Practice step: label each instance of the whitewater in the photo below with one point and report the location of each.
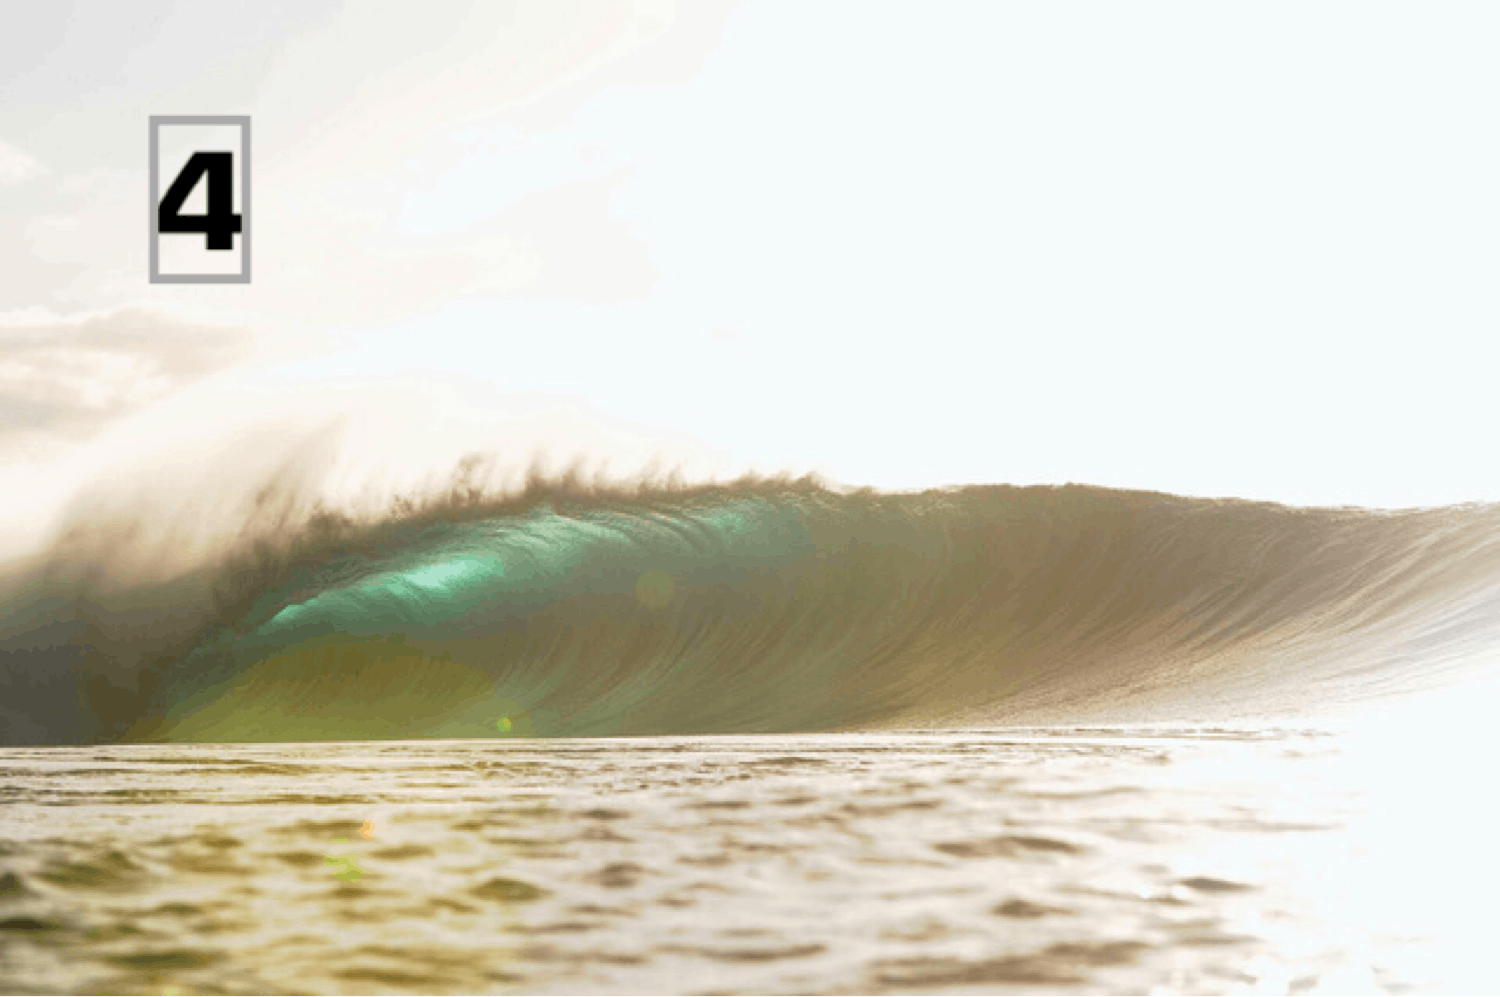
(765, 736)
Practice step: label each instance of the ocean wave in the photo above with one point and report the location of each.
(758, 606)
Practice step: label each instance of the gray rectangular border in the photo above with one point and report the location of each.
(243, 121)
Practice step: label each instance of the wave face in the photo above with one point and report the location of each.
(768, 608)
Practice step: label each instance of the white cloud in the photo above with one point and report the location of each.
(17, 166)
(64, 378)
(368, 112)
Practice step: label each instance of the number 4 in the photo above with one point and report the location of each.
(220, 224)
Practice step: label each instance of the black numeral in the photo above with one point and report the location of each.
(221, 223)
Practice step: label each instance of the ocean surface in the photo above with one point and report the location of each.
(1031, 861)
(757, 737)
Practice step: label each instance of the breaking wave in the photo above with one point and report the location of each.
(766, 606)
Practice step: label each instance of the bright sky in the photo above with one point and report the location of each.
(1212, 249)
